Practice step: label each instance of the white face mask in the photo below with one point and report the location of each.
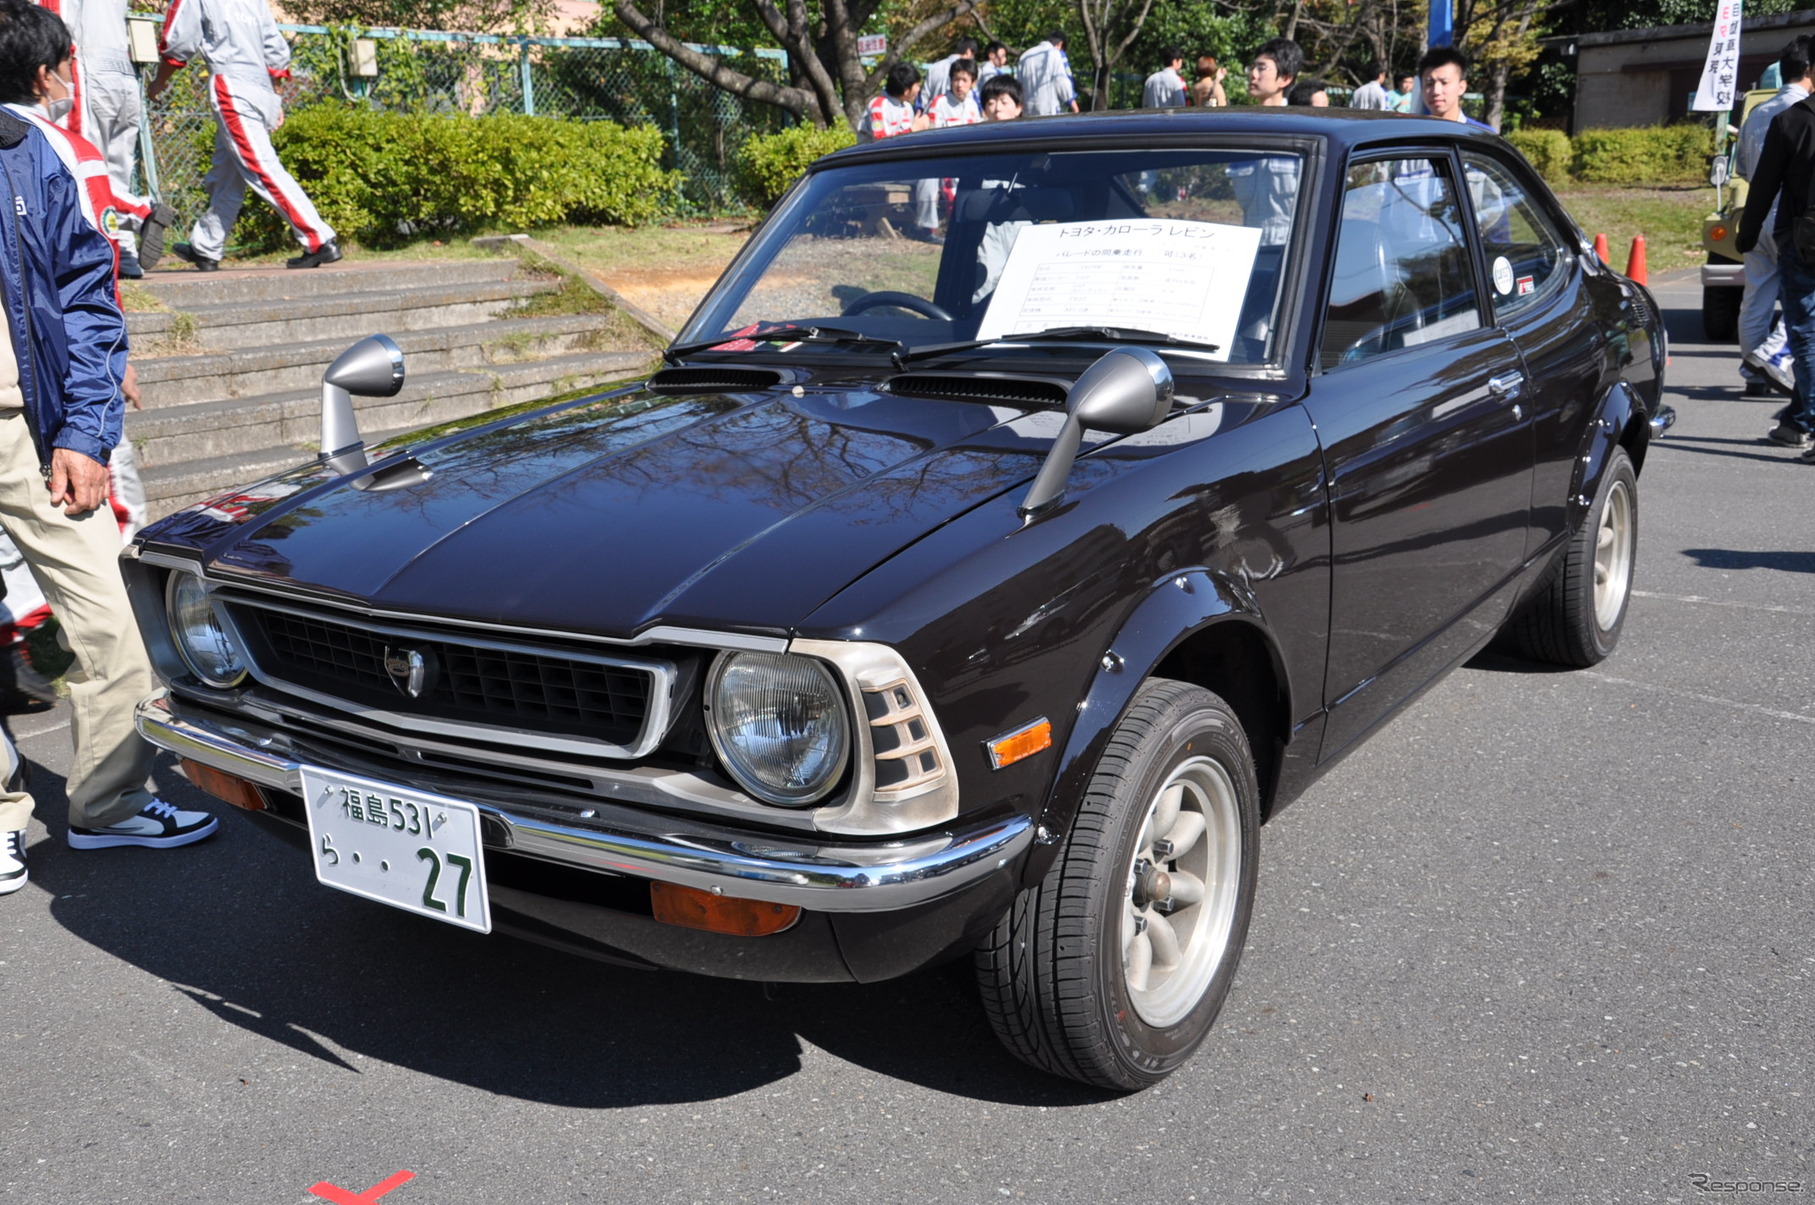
(59, 108)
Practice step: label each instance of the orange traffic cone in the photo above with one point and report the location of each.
(1600, 247)
(1635, 263)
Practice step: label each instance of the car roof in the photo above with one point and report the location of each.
(1346, 128)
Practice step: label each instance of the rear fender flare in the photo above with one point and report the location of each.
(1177, 607)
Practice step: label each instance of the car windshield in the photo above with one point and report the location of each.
(1175, 248)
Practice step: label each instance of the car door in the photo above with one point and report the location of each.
(1427, 447)
(1539, 296)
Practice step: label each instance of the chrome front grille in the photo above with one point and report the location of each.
(456, 682)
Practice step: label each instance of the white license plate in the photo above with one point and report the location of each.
(399, 846)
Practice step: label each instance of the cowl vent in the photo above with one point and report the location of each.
(986, 387)
(713, 379)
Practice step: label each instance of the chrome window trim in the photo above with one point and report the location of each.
(655, 721)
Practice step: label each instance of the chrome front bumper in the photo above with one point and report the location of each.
(1723, 276)
(776, 869)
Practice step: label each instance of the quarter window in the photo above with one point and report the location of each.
(1402, 275)
(1521, 246)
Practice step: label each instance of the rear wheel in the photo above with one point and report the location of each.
(1577, 617)
(1720, 313)
(1113, 968)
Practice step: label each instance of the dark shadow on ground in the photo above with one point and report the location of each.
(1499, 661)
(1707, 445)
(1736, 558)
(238, 925)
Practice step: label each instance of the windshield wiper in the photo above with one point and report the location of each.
(1061, 334)
(836, 335)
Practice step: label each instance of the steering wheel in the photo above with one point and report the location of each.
(905, 301)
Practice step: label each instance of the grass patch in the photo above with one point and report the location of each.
(1670, 218)
(137, 299)
(183, 337)
(683, 249)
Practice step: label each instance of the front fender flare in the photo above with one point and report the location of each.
(1619, 419)
(1177, 606)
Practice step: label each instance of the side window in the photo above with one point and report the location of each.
(1523, 249)
(1402, 275)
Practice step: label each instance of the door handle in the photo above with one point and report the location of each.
(1506, 385)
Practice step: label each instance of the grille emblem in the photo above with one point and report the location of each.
(411, 670)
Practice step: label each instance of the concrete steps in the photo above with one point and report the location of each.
(230, 363)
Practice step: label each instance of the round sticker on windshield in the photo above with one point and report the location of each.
(1503, 277)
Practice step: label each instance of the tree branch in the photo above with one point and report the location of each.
(710, 69)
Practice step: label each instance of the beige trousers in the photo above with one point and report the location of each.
(77, 564)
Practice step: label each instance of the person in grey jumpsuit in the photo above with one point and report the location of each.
(244, 50)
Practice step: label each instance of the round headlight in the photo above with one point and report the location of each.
(200, 636)
(779, 725)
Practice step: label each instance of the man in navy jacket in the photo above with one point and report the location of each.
(61, 406)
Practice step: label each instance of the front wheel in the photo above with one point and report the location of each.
(1113, 968)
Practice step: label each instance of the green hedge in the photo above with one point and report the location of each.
(768, 164)
(1547, 150)
(1647, 155)
(377, 177)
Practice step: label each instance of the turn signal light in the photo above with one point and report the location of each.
(1023, 742)
(692, 908)
(1718, 234)
(234, 790)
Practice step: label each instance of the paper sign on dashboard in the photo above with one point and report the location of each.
(1183, 278)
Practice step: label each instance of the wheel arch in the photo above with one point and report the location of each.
(1620, 420)
(1194, 626)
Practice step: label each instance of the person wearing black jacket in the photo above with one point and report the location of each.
(1787, 164)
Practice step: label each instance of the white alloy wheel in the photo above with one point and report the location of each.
(1182, 891)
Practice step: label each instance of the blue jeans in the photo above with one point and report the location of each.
(1797, 295)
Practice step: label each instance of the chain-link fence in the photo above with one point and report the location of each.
(420, 71)
(415, 71)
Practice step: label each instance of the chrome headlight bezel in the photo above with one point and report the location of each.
(226, 668)
(742, 765)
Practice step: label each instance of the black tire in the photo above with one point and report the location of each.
(1576, 618)
(1061, 976)
(1720, 313)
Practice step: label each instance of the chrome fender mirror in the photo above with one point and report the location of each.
(1127, 391)
(372, 367)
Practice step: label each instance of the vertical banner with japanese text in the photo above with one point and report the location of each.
(1720, 73)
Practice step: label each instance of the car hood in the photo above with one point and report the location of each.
(730, 511)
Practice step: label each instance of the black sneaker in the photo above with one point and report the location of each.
(129, 267)
(151, 235)
(12, 862)
(327, 253)
(184, 251)
(158, 825)
(1791, 437)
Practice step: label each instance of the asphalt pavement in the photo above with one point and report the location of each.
(1550, 935)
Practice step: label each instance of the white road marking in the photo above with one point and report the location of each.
(1730, 704)
(1717, 602)
(56, 727)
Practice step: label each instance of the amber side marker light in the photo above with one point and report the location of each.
(692, 908)
(236, 791)
(1718, 234)
(1022, 742)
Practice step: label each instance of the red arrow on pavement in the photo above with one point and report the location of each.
(340, 1196)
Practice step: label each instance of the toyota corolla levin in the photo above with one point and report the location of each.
(972, 597)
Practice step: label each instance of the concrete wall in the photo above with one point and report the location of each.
(1644, 77)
